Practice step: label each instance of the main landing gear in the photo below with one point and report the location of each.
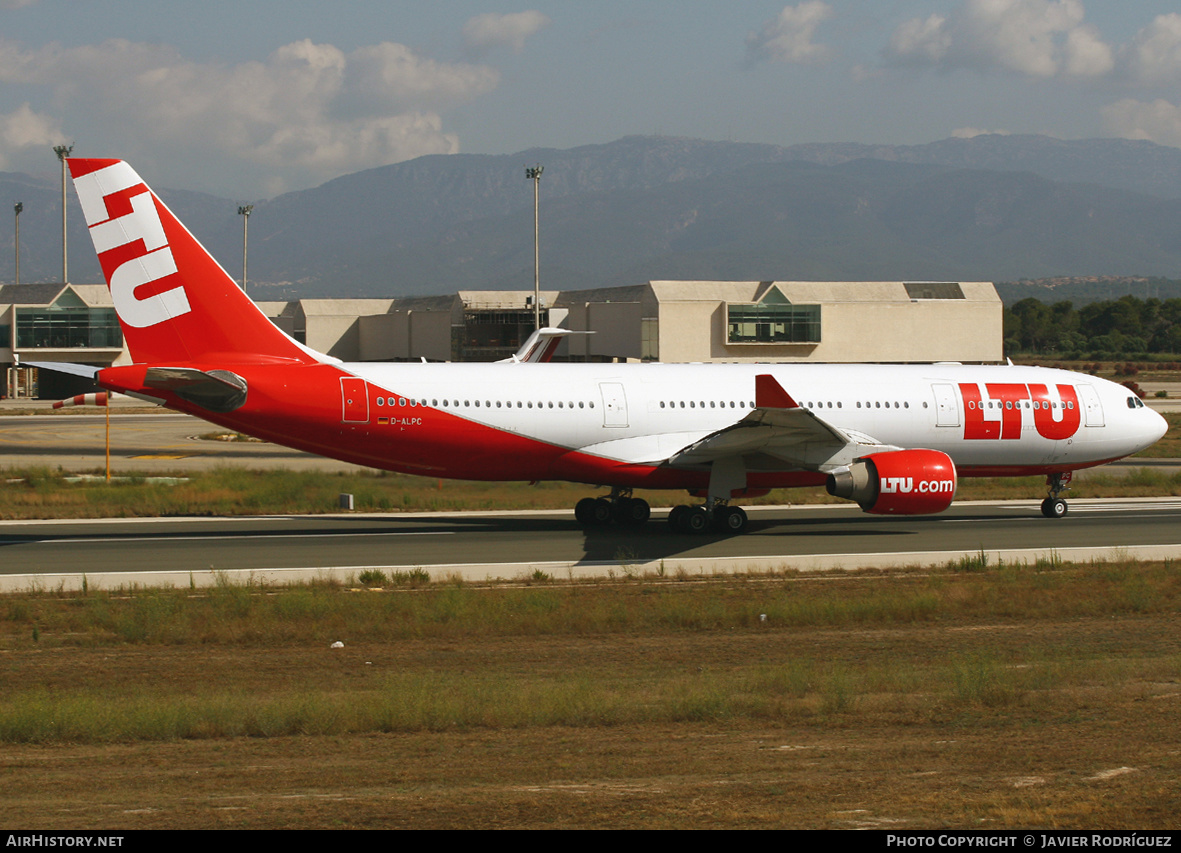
(619, 507)
(1054, 506)
(716, 515)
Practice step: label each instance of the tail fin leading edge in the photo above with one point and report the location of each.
(175, 303)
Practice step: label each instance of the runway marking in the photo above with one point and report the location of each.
(1124, 507)
(241, 536)
(1078, 508)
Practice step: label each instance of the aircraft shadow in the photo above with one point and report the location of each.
(556, 538)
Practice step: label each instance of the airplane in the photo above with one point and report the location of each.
(893, 438)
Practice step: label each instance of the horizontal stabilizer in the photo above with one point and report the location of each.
(214, 390)
(87, 370)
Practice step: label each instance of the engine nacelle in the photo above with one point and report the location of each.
(898, 482)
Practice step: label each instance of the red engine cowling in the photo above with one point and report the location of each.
(898, 482)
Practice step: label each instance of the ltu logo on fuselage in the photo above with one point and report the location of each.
(1008, 403)
(140, 223)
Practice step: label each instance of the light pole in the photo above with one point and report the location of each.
(534, 174)
(62, 152)
(244, 211)
(17, 208)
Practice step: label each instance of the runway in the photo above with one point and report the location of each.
(479, 547)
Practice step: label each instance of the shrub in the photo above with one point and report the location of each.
(373, 577)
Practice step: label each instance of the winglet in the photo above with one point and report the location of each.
(540, 346)
(769, 394)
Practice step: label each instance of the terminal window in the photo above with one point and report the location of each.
(934, 290)
(67, 327)
(773, 323)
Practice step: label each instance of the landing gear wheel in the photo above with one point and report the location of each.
(676, 518)
(632, 511)
(730, 519)
(1053, 507)
(697, 520)
(584, 511)
(601, 512)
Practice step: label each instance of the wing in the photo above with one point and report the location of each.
(781, 428)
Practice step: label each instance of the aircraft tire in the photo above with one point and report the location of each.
(697, 520)
(730, 519)
(584, 511)
(601, 512)
(1054, 508)
(632, 512)
(676, 518)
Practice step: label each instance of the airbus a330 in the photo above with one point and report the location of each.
(893, 438)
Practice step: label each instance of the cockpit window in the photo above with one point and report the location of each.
(1135, 403)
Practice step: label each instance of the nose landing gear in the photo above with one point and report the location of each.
(1054, 506)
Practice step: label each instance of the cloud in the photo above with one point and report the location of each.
(310, 110)
(921, 42)
(23, 129)
(788, 37)
(1037, 38)
(485, 32)
(972, 132)
(1158, 120)
(1154, 55)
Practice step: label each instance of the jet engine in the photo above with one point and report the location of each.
(898, 482)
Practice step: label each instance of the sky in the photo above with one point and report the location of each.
(252, 98)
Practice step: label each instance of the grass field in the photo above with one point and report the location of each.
(236, 491)
(962, 696)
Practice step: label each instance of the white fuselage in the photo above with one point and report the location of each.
(645, 413)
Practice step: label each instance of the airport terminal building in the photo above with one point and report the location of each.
(668, 321)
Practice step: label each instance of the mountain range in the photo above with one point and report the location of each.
(992, 207)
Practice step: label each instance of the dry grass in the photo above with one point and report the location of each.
(993, 698)
(46, 494)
